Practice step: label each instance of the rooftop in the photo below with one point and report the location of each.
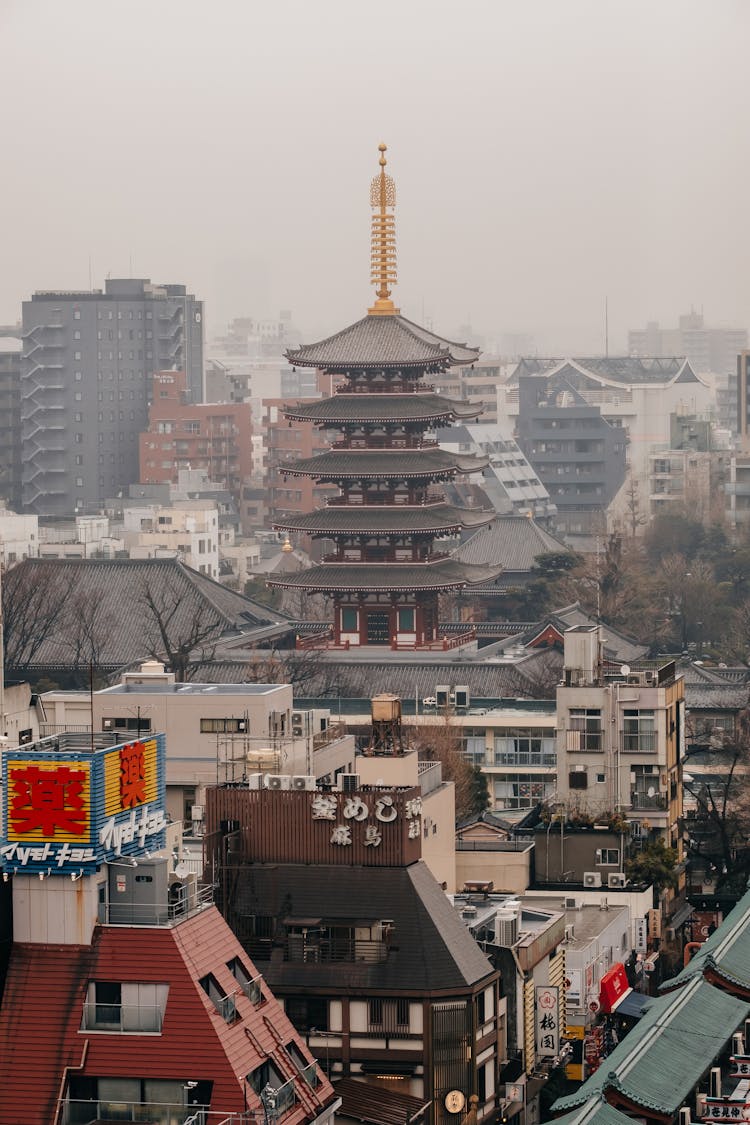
(398, 464)
(380, 342)
(383, 408)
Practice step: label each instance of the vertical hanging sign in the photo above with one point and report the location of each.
(547, 1022)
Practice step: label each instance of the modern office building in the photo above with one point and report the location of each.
(86, 368)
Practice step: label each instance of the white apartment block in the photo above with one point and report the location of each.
(19, 538)
(188, 529)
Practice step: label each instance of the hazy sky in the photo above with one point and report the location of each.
(545, 152)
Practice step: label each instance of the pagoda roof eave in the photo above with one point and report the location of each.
(443, 574)
(349, 408)
(396, 464)
(386, 519)
(382, 342)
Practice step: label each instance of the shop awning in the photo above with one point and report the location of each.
(632, 1004)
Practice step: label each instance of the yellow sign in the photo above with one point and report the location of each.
(48, 800)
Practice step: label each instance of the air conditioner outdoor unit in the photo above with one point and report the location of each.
(572, 904)
(255, 781)
(442, 695)
(617, 879)
(462, 697)
(242, 725)
(303, 781)
(570, 933)
(650, 677)
(196, 812)
(348, 782)
(592, 879)
(277, 781)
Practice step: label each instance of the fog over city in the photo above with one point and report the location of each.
(547, 154)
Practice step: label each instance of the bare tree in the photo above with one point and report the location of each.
(88, 627)
(34, 605)
(441, 742)
(180, 628)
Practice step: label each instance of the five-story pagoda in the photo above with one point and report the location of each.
(385, 571)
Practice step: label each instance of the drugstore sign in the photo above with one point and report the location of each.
(67, 812)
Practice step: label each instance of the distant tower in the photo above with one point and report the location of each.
(385, 572)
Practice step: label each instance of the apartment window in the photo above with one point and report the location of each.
(78, 417)
(308, 1014)
(638, 731)
(76, 355)
(139, 724)
(608, 857)
(223, 726)
(78, 439)
(585, 729)
(267, 1074)
(79, 458)
(224, 1004)
(250, 985)
(79, 482)
(77, 334)
(390, 1017)
(578, 779)
(77, 315)
(78, 396)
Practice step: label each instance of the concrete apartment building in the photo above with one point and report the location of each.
(215, 733)
(86, 367)
(706, 349)
(620, 744)
(213, 437)
(188, 529)
(19, 537)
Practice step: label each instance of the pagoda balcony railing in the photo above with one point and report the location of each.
(444, 643)
(389, 558)
(371, 443)
(390, 499)
(385, 389)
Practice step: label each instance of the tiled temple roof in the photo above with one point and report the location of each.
(382, 341)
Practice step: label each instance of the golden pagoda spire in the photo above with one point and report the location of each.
(383, 248)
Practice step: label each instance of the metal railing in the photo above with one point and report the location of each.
(192, 902)
(122, 1018)
(80, 1112)
(334, 949)
(253, 989)
(642, 801)
(277, 1102)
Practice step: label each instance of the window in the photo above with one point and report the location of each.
(129, 1007)
(77, 334)
(578, 779)
(307, 1067)
(308, 1014)
(267, 1074)
(224, 1004)
(224, 726)
(638, 731)
(77, 316)
(585, 730)
(608, 857)
(251, 986)
(390, 1017)
(406, 620)
(140, 724)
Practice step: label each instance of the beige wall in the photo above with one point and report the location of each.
(509, 871)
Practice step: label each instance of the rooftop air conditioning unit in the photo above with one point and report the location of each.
(570, 933)
(303, 781)
(462, 697)
(277, 781)
(592, 879)
(650, 676)
(617, 879)
(255, 781)
(299, 723)
(348, 782)
(572, 904)
(442, 695)
(468, 911)
(506, 928)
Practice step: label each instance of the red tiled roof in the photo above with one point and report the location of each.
(42, 1007)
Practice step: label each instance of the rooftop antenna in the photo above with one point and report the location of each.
(606, 327)
(383, 239)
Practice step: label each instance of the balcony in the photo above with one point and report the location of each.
(277, 1102)
(643, 802)
(195, 899)
(312, 949)
(503, 758)
(78, 1112)
(123, 1019)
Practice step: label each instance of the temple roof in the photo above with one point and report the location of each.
(382, 519)
(383, 408)
(382, 341)
(443, 574)
(391, 464)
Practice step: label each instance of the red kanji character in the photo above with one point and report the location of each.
(49, 800)
(132, 775)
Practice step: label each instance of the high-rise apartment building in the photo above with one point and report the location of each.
(707, 349)
(86, 369)
(10, 419)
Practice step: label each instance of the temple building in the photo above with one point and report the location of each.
(388, 525)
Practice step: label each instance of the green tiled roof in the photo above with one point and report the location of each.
(595, 1112)
(726, 951)
(659, 1062)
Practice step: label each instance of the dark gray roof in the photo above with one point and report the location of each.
(617, 369)
(330, 674)
(382, 341)
(444, 574)
(343, 519)
(383, 408)
(715, 697)
(431, 948)
(378, 1105)
(513, 542)
(393, 464)
(106, 598)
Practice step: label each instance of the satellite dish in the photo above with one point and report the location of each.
(624, 669)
